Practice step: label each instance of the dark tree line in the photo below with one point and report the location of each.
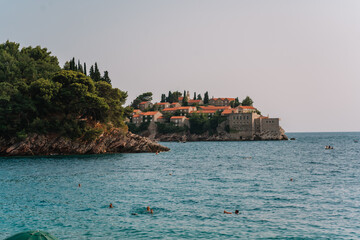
(94, 71)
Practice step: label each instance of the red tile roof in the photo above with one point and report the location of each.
(177, 117)
(162, 103)
(170, 109)
(185, 108)
(144, 102)
(229, 111)
(246, 107)
(136, 110)
(136, 115)
(210, 107)
(149, 113)
(230, 99)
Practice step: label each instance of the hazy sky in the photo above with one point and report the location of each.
(298, 60)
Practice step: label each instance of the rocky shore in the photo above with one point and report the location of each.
(181, 137)
(114, 141)
(221, 135)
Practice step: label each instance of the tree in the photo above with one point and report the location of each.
(163, 98)
(145, 97)
(194, 96)
(91, 73)
(185, 99)
(235, 103)
(106, 78)
(85, 69)
(206, 98)
(247, 101)
(199, 97)
(96, 76)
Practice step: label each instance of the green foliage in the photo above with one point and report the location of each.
(163, 98)
(92, 134)
(206, 98)
(247, 101)
(198, 123)
(199, 97)
(36, 96)
(169, 128)
(141, 98)
(173, 97)
(138, 129)
(235, 103)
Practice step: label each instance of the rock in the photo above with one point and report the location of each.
(114, 141)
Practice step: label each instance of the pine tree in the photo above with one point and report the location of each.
(206, 98)
(199, 97)
(194, 95)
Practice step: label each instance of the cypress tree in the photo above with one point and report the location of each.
(194, 95)
(169, 97)
(97, 75)
(91, 73)
(163, 98)
(80, 68)
(199, 97)
(85, 68)
(206, 98)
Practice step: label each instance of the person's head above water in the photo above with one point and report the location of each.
(236, 211)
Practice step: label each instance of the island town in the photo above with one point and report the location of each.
(213, 118)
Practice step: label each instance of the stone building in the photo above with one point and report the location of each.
(146, 117)
(145, 105)
(179, 121)
(160, 106)
(221, 101)
(248, 124)
(267, 125)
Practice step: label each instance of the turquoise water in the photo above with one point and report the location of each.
(322, 201)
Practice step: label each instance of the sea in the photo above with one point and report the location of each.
(283, 190)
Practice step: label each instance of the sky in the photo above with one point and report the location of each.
(297, 60)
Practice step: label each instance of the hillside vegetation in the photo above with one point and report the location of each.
(38, 96)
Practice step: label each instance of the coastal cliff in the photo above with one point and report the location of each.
(114, 141)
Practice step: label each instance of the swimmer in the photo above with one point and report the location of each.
(170, 174)
(151, 211)
(157, 152)
(111, 206)
(291, 179)
(227, 212)
(79, 185)
(236, 211)
(148, 208)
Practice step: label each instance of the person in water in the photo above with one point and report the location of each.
(227, 212)
(236, 211)
(151, 211)
(148, 208)
(111, 206)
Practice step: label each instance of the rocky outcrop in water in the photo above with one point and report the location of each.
(114, 141)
